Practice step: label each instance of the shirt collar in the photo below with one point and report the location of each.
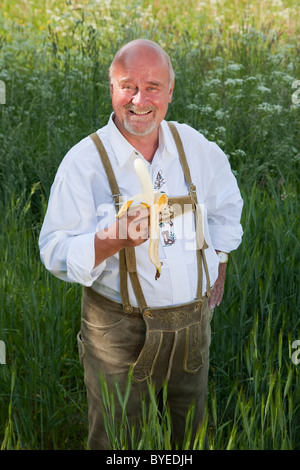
(123, 150)
(121, 147)
(169, 149)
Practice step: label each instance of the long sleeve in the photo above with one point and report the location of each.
(217, 190)
(224, 203)
(67, 237)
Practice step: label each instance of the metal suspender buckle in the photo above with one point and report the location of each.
(118, 199)
(193, 192)
(192, 187)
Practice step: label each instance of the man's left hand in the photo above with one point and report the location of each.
(218, 290)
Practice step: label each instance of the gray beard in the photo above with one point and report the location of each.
(131, 129)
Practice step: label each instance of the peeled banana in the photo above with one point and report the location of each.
(156, 201)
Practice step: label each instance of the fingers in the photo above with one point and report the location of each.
(138, 230)
(135, 226)
(134, 209)
(218, 290)
(216, 296)
(138, 212)
(214, 300)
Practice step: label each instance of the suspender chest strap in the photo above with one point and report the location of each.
(127, 259)
(192, 188)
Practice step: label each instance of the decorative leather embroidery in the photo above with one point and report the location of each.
(145, 363)
(163, 320)
(193, 357)
(159, 181)
(171, 320)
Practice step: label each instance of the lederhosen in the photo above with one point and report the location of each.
(184, 321)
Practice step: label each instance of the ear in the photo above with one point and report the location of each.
(171, 91)
(111, 88)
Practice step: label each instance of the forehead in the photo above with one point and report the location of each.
(141, 64)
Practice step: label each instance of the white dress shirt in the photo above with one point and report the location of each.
(81, 203)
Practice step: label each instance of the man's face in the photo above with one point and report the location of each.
(140, 92)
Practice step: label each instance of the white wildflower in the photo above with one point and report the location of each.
(235, 67)
(193, 106)
(263, 89)
(270, 108)
(206, 109)
(233, 81)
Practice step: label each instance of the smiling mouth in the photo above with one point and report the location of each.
(140, 113)
(136, 111)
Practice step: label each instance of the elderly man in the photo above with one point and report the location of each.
(154, 322)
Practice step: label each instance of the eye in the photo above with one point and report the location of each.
(127, 87)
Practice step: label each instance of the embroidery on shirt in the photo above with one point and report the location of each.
(169, 238)
(160, 181)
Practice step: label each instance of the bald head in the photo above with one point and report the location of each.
(142, 48)
(141, 88)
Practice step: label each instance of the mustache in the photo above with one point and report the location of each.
(132, 107)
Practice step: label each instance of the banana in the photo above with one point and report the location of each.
(156, 201)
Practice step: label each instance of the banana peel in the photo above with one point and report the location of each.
(156, 202)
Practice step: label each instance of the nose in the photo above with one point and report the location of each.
(139, 98)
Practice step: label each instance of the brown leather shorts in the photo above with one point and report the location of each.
(165, 344)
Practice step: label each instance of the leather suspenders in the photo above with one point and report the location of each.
(127, 259)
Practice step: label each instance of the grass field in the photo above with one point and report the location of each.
(237, 81)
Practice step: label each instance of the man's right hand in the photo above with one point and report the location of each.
(134, 226)
(132, 229)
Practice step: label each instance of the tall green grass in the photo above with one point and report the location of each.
(253, 400)
(235, 65)
(256, 378)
